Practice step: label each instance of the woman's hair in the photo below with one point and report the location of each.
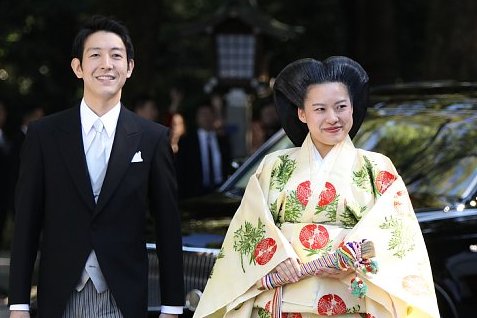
(292, 84)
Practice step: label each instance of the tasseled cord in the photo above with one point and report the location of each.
(356, 255)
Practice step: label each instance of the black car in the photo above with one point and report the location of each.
(429, 130)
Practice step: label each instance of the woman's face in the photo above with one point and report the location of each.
(328, 113)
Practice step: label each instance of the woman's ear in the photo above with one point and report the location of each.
(301, 114)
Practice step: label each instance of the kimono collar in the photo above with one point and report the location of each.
(310, 156)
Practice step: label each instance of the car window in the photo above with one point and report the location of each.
(282, 143)
(433, 150)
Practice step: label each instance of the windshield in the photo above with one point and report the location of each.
(434, 151)
(282, 143)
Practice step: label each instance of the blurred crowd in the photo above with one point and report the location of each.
(13, 130)
(199, 135)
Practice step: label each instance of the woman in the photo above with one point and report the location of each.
(304, 203)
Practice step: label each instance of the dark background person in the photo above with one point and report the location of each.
(28, 115)
(265, 125)
(196, 173)
(4, 168)
(88, 175)
(146, 107)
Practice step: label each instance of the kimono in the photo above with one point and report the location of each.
(293, 208)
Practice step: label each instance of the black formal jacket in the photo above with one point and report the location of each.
(189, 164)
(54, 200)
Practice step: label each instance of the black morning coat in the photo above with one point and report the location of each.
(54, 201)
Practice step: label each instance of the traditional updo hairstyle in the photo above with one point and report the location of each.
(292, 84)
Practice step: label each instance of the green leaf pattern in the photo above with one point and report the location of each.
(219, 256)
(263, 313)
(328, 248)
(329, 210)
(246, 239)
(354, 310)
(282, 172)
(365, 176)
(293, 208)
(275, 210)
(401, 241)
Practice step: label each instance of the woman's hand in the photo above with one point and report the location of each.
(289, 270)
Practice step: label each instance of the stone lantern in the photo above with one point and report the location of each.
(238, 28)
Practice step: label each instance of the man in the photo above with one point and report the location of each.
(4, 167)
(86, 189)
(28, 115)
(146, 108)
(203, 158)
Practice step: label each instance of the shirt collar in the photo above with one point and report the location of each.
(110, 119)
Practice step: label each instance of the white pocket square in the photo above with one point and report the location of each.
(137, 157)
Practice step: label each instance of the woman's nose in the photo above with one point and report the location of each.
(332, 116)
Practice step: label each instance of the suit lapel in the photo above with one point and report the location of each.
(126, 142)
(71, 146)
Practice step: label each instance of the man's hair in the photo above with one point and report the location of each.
(100, 23)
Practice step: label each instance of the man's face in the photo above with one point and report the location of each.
(104, 68)
(205, 118)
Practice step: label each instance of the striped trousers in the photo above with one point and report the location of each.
(88, 303)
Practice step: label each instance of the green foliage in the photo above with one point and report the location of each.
(36, 37)
(282, 172)
(246, 239)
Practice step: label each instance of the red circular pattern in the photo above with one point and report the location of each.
(330, 305)
(284, 315)
(383, 180)
(314, 236)
(267, 306)
(328, 195)
(292, 315)
(264, 250)
(303, 192)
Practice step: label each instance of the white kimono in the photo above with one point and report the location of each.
(292, 208)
